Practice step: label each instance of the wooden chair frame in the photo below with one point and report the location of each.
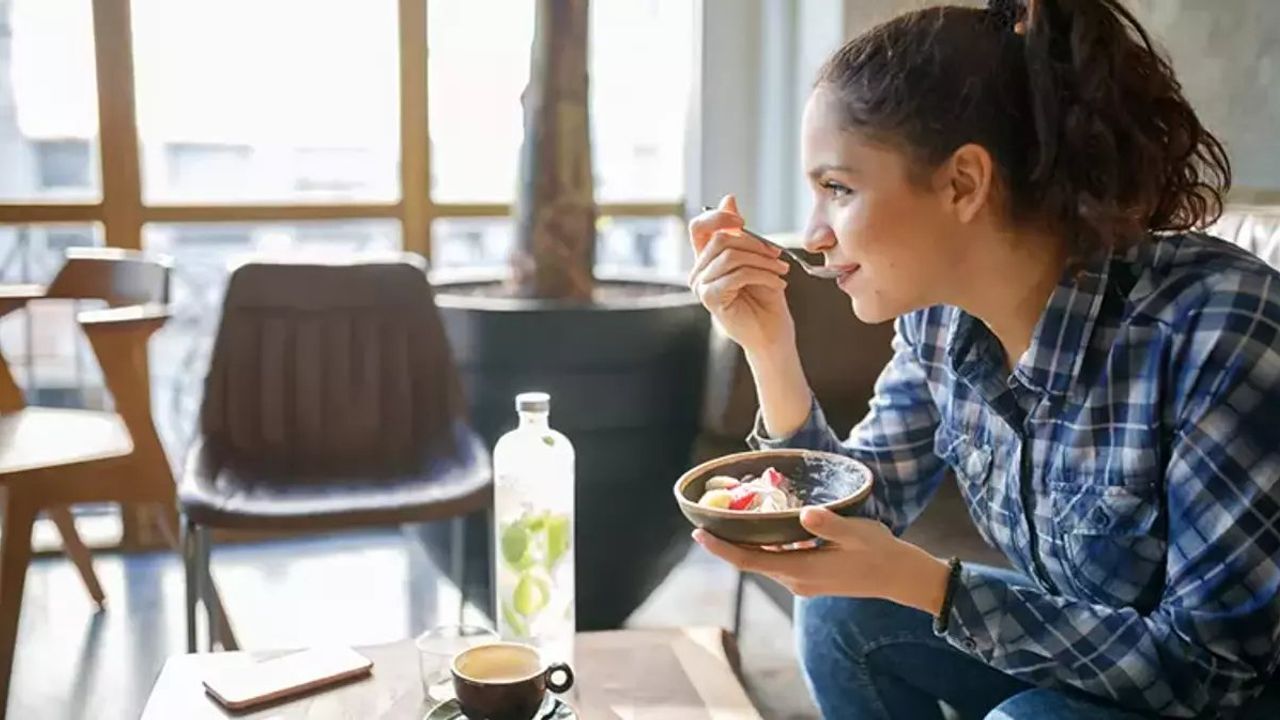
(38, 475)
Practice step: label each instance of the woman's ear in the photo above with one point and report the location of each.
(967, 177)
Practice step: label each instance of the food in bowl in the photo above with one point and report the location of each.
(833, 481)
(771, 491)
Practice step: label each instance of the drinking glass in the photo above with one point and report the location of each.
(436, 650)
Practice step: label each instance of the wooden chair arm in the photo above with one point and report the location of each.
(13, 297)
(131, 317)
(118, 337)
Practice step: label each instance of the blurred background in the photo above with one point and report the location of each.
(296, 102)
(262, 126)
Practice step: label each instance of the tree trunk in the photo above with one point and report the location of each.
(555, 212)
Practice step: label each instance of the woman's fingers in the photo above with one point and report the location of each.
(717, 293)
(724, 217)
(734, 258)
(724, 240)
(795, 546)
(703, 227)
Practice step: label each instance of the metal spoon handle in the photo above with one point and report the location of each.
(794, 255)
(818, 271)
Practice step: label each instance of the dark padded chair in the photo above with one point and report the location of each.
(331, 402)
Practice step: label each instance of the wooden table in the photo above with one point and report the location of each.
(678, 674)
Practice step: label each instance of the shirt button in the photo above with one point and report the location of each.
(1099, 518)
(969, 644)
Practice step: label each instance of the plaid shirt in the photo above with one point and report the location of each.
(1129, 466)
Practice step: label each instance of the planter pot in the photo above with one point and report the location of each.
(626, 378)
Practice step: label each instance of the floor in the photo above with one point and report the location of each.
(362, 588)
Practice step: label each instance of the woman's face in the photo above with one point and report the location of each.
(900, 243)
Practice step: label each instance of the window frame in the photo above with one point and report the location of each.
(122, 210)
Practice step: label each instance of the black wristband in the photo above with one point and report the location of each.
(948, 596)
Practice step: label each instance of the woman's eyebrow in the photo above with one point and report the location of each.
(818, 170)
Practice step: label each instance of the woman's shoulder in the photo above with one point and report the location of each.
(1178, 278)
(1220, 307)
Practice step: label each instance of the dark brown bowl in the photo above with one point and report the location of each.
(836, 482)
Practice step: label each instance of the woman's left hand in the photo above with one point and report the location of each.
(859, 558)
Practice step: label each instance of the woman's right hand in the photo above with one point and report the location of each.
(740, 281)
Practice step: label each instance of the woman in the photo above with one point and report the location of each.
(1017, 186)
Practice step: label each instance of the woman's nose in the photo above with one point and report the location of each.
(818, 238)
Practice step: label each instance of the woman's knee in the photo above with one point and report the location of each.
(836, 638)
(832, 650)
(830, 630)
(1047, 704)
(818, 622)
(1034, 703)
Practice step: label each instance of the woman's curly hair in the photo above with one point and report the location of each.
(1084, 118)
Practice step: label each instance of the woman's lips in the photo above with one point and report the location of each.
(846, 273)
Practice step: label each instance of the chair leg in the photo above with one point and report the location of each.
(168, 526)
(204, 580)
(220, 634)
(226, 637)
(457, 558)
(192, 574)
(75, 549)
(201, 589)
(739, 593)
(15, 554)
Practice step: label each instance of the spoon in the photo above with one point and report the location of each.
(818, 271)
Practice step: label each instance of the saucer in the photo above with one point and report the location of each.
(553, 708)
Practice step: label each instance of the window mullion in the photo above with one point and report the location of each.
(117, 122)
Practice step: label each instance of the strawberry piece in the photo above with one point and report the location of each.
(774, 478)
(742, 497)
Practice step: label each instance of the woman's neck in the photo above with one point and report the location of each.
(1012, 286)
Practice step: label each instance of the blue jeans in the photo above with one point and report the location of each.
(878, 660)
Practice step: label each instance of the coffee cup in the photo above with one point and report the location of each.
(505, 681)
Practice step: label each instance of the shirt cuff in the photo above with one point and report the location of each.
(815, 426)
(975, 597)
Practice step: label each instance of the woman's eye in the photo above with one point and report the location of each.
(835, 188)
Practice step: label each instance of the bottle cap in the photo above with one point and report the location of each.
(533, 402)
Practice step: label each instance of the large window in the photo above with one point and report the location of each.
(48, 102)
(214, 130)
(639, 98)
(267, 100)
(639, 105)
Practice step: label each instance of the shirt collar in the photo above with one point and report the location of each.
(1059, 342)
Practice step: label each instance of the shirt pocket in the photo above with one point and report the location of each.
(1111, 538)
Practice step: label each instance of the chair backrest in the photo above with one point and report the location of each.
(329, 369)
(120, 277)
(1255, 228)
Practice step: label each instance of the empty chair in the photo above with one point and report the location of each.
(331, 402)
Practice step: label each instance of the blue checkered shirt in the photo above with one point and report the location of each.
(1129, 466)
